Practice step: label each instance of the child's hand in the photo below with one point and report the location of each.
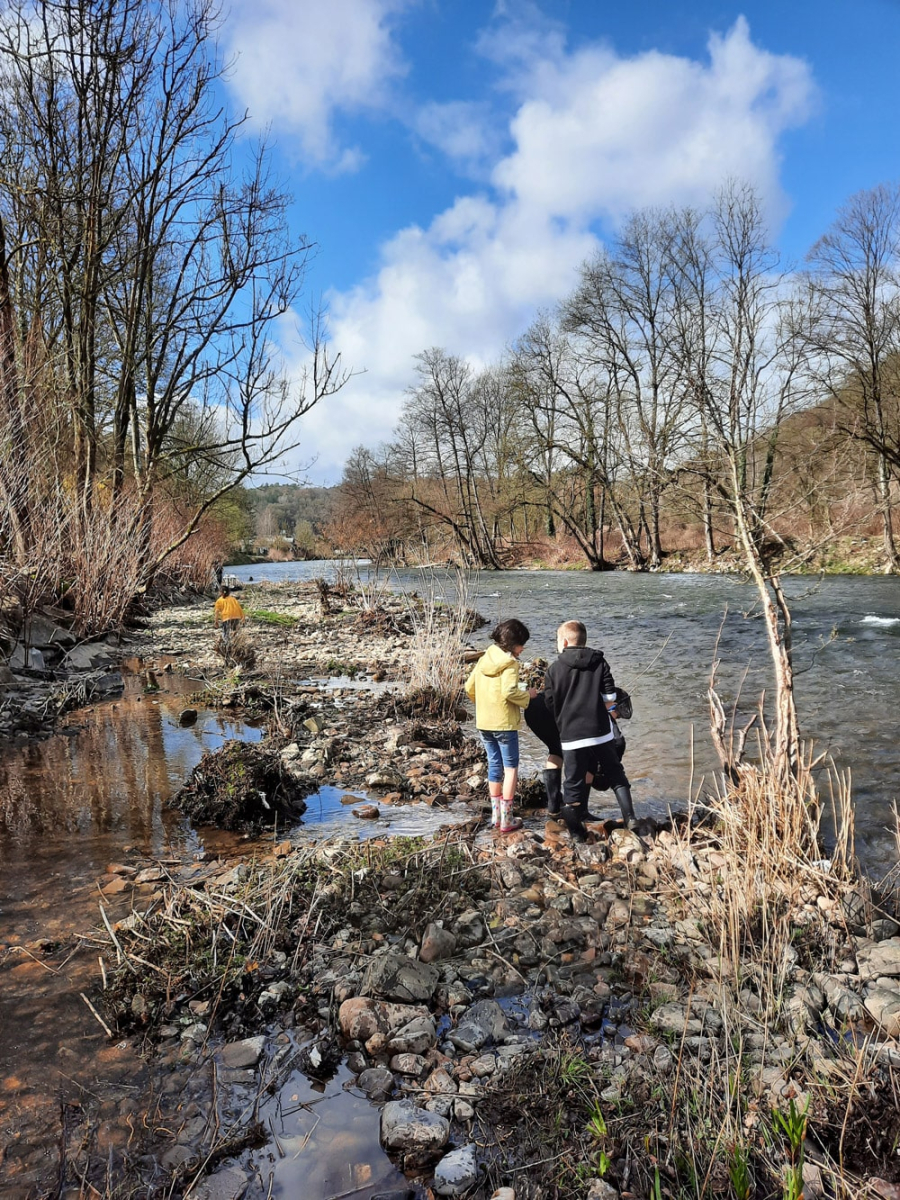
(532, 692)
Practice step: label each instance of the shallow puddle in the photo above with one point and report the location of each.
(91, 796)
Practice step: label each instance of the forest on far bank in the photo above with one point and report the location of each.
(689, 399)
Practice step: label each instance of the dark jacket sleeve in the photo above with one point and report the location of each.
(607, 683)
(548, 690)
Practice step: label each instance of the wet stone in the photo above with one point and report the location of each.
(246, 1053)
(457, 1172)
(376, 1082)
(407, 1128)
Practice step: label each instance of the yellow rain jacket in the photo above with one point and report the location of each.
(228, 609)
(494, 686)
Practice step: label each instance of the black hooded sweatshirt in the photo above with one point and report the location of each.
(576, 689)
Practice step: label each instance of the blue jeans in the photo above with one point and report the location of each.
(502, 750)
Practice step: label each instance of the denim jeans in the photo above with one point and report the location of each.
(502, 748)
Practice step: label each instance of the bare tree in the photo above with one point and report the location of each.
(853, 333)
(623, 310)
(144, 274)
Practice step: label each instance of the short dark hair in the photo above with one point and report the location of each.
(510, 633)
(226, 591)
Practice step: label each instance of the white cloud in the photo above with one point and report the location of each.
(299, 62)
(465, 131)
(594, 136)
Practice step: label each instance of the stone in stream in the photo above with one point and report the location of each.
(457, 1172)
(396, 977)
(367, 812)
(376, 1082)
(187, 716)
(483, 1022)
(412, 1130)
(246, 1053)
(229, 1184)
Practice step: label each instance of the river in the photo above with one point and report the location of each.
(661, 634)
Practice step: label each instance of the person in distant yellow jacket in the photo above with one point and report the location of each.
(229, 612)
(494, 686)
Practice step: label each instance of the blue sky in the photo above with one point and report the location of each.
(456, 161)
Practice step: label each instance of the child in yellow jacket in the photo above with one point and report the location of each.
(494, 686)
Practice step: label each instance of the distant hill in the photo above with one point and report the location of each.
(278, 509)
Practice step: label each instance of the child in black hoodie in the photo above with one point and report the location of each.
(580, 694)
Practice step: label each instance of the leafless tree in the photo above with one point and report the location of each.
(853, 333)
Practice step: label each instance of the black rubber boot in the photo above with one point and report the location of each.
(553, 787)
(571, 814)
(623, 795)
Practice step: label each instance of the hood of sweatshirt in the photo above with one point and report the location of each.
(581, 658)
(494, 660)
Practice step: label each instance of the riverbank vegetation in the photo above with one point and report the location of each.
(688, 394)
(145, 260)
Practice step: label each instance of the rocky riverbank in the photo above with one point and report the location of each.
(710, 1009)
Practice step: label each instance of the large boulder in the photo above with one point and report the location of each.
(396, 977)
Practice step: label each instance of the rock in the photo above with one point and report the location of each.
(361, 1018)
(314, 724)
(409, 1064)
(320, 1059)
(672, 1018)
(469, 929)
(437, 943)
(504, 1193)
(412, 1130)
(457, 1172)
(439, 1082)
(396, 977)
(45, 633)
(663, 1060)
(416, 1037)
(246, 1053)
(386, 779)
(229, 1184)
(367, 812)
(599, 1189)
(85, 657)
(880, 958)
(187, 716)
(883, 1005)
(376, 1082)
(483, 1022)
(7, 679)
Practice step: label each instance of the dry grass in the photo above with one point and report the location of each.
(435, 660)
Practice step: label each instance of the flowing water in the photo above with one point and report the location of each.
(94, 793)
(661, 633)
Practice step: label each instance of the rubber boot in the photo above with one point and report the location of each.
(553, 788)
(571, 814)
(508, 823)
(623, 795)
(495, 810)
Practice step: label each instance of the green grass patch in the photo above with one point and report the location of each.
(265, 616)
